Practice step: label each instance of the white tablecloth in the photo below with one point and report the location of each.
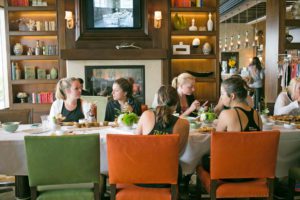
(13, 158)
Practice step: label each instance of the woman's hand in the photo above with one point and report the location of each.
(127, 108)
(194, 106)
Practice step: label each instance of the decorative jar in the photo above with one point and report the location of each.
(206, 48)
(18, 49)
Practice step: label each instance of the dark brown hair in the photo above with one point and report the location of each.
(237, 86)
(167, 99)
(257, 63)
(125, 85)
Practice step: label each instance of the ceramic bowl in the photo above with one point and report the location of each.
(195, 125)
(10, 126)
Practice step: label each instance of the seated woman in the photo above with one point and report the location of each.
(68, 102)
(122, 100)
(287, 103)
(220, 106)
(185, 85)
(162, 120)
(240, 116)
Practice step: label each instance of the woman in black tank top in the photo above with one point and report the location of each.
(162, 121)
(240, 116)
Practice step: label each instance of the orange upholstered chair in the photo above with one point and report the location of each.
(142, 159)
(240, 155)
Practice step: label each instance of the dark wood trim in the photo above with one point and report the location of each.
(292, 45)
(193, 33)
(194, 9)
(194, 56)
(292, 22)
(31, 8)
(33, 57)
(32, 33)
(35, 81)
(113, 54)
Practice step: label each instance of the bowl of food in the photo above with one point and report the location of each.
(10, 126)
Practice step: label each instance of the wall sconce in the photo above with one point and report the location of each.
(157, 19)
(69, 19)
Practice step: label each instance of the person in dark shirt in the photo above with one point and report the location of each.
(161, 120)
(122, 100)
(185, 85)
(83, 92)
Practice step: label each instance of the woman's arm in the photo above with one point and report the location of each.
(222, 121)
(182, 128)
(283, 107)
(194, 106)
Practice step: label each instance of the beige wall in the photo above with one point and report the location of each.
(232, 30)
(1, 2)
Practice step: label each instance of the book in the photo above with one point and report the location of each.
(29, 72)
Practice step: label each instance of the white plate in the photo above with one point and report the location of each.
(36, 130)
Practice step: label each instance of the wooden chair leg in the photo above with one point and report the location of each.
(33, 191)
(213, 189)
(198, 188)
(96, 191)
(174, 192)
(271, 188)
(113, 191)
(292, 184)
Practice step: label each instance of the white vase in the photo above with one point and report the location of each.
(232, 71)
(206, 48)
(210, 23)
(18, 49)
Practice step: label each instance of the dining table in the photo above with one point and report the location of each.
(13, 156)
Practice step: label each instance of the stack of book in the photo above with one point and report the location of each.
(19, 2)
(42, 97)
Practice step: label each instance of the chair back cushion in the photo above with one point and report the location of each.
(63, 159)
(100, 102)
(143, 158)
(24, 116)
(243, 154)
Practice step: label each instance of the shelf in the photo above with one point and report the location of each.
(31, 8)
(193, 33)
(292, 22)
(31, 105)
(33, 33)
(194, 56)
(36, 81)
(24, 57)
(292, 46)
(194, 9)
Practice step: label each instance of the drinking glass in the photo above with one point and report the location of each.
(45, 121)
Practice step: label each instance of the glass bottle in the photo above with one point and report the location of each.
(18, 72)
(37, 48)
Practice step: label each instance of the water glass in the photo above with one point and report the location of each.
(45, 121)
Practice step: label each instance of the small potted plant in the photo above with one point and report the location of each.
(128, 119)
(264, 113)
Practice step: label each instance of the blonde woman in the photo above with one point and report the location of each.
(68, 102)
(185, 85)
(287, 103)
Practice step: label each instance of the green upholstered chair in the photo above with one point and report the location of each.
(100, 102)
(69, 162)
(294, 175)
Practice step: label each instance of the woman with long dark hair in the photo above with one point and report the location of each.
(256, 77)
(161, 120)
(122, 100)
